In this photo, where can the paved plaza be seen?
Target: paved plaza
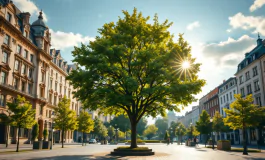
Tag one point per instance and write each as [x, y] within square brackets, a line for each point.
[162, 152]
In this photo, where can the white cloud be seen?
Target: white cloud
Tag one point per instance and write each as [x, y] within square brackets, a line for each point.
[248, 22]
[29, 6]
[229, 53]
[229, 30]
[193, 25]
[257, 4]
[62, 40]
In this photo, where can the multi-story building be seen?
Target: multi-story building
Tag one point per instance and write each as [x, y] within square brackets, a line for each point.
[202, 104]
[250, 80]
[171, 118]
[195, 113]
[30, 68]
[211, 104]
[226, 97]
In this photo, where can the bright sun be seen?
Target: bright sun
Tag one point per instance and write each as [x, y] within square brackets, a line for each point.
[185, 65]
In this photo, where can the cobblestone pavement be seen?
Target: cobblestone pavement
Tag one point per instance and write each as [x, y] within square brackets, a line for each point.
[162, 152]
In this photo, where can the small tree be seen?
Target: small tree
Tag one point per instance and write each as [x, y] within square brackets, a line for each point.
[203, 125]
[243, 114]
[150, 131]
[218, 123]
[35, 132]
[111, 132]
[180, 131]
[85, 124]
[99, 128]
[65, 119]
[45, 134]
[22, 115]
[166, 136]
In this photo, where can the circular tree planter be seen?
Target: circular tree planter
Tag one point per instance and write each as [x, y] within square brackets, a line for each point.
[127, 151]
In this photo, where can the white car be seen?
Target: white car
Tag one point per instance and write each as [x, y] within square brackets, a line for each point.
[93, 141]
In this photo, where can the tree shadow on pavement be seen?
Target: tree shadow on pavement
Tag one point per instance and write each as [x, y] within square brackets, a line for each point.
[78, 157]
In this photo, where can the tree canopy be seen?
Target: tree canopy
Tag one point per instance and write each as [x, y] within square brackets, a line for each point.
[161, 124]
[218, 123]
[150, 131]
[141, 125]
[135, 68]
[65, 119]
[21, 115]
[121, 122]
[99, 128]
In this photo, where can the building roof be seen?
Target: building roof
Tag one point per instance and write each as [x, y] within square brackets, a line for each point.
[39, 21]
[254, 54]
[226, 82]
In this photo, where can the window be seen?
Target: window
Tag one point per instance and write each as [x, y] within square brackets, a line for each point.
[55, 99]
[249, 89]
[224, 99]
[61, 79]
[242, 91]
[25, 55]
[41, 110]
[56, 75]
[241, 79]
[50, 98]
[41, 92]
[258, 101]
[227, 97]
[69, 92]
[256, 86]
[51, 84]
[23, 69]
[253, 134]
[2, 100]
[54, 60]
[16, 65]
[42, 76]
[18, 49]
[247, 75]
[15, 83]
[60, 89]
[30, 88]
[56, 86]
[5, 57]
[31, 58]
[255, 71]
[230, 95]
[8, 17]
[30, 73]
[221, 100]
[7, 39]
[47, 112]
[51, 72]
[65, 91]
[3, 77]
[23, 86]
[234, 91]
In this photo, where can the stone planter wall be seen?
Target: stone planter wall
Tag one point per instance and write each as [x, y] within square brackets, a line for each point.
[37, 145]
[224, 145]
[46, 144]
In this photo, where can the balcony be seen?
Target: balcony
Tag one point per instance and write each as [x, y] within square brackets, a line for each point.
[14, 89]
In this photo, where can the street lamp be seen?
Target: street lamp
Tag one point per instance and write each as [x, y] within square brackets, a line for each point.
[212, 135]
[116, 129]
[171, 136]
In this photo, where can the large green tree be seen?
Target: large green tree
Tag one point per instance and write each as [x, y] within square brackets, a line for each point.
[65, 119]
[162, 126]
[180, 131]
[21, 115]
[99, 128]
[135, 68]
[204, 125]
[243, 114]
[85, 124]
[121, 122]
[150, 131]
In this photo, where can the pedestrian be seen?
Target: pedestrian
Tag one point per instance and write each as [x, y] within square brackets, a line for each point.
[168, 140]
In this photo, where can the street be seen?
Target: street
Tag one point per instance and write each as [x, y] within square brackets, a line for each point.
[162, 152]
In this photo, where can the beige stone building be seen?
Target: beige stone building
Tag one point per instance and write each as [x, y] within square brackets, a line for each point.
[30, 68]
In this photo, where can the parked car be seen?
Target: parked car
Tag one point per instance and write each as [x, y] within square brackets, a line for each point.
[93, 141]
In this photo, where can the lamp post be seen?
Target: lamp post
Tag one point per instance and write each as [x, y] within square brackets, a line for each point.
[171, 136]
[52, 131]
[212, 135]
[191, 130]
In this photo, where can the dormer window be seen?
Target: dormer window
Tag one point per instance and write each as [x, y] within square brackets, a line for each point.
[246, 62]
[8, 17]
[54, 60]
[253, 57]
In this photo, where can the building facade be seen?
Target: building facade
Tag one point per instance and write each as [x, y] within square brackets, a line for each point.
[211, 104]
[195, 114]
[250, 80]
[30, 68]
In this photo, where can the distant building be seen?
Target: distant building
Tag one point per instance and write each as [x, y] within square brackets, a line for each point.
[171, 117]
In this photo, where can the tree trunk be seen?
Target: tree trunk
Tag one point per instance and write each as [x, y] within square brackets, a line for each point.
[244, 142]
[206, 139]
[18, 138]
[7, 135]
[133, 135]
[62, 137]
[83, 138]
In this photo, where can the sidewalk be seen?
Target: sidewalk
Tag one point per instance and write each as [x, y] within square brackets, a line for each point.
[28, 147]
[241, 146]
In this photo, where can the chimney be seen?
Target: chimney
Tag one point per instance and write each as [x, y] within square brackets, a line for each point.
[25, 17]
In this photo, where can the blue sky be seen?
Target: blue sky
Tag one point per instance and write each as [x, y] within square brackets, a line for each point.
[220, 32]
